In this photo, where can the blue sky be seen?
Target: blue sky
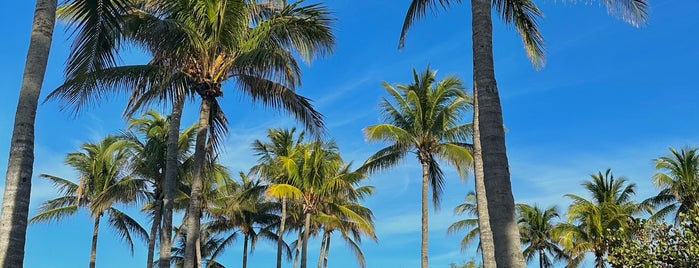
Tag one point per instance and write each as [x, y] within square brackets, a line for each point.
[609, 96]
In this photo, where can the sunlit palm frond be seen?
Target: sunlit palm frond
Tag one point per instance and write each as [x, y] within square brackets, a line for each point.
[54, 214]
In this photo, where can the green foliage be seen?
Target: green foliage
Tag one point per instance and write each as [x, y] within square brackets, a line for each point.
[469, 264]
[658, 244]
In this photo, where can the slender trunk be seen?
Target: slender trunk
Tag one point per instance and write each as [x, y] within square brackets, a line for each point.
[198, 252]
[280, 234]
[485, 233]
[496, 173]
[195, 199]
[541, 259]
[599, 259]
[304, 248]
[245, 252]
[170, 182]
[327, 252]
[425, 212]
[298, 249]
[154, 230]
[15, 204]
[93, 249]
[322, 249]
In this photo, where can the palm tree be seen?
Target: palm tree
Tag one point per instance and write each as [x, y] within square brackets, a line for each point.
[331, 218]
[425, 120]
[536, 230]
[258, 58]
[282, 149]
[468, 207]
[245, 211]
[210, 242]
[199, 45]
[315, 179]
[493, 176]
[104, 180]
[151, 163]
[18, 179]
[592, 221]
[678, 179]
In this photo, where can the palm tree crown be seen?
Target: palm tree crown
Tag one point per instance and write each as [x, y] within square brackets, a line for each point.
[591, 221]
[105, 179]
[425, 120]
[536, 230]
[678, 179]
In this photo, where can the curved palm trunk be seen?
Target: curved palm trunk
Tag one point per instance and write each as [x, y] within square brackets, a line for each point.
[153, 230]
[245, 252]
[195, 201]
[15, 204]
[425, 211]
[170, 182]
[327, 252]
[93, 249]
[485, 233]
[280, 234]
[541, 259]
[304, 249]
[599, 259]
[496, 173]
[324, 239]
[298, 249]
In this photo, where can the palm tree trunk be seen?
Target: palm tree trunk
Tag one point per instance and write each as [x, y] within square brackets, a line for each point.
[198, 252]
[195, 201]
[599, 259]
[15, 204]
[423, 249]
[298, 248]
[245, 252]
[153, 230]
[170, 182]
[496, 173]
[280, 234]
[93, 249]
[541, 259]
[304, 249]
[485, 233]
[327, 252]
[322, 249]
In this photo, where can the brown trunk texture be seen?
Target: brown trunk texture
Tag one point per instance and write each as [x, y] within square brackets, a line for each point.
[195, 199]
[18, 180]
[170, 182]
[496, 172]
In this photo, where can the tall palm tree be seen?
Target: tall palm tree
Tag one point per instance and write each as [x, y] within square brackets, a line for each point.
[196, 47]
[493, 176]
[469, 208]
[536, 229]
[425, 120]
[269, 72]
[18, 178]
[104, 180]
[151, 139]
[282, 149]
[592, 221]
[678, 180]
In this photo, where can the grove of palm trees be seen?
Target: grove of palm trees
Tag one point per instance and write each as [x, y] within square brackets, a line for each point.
[415, 133]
